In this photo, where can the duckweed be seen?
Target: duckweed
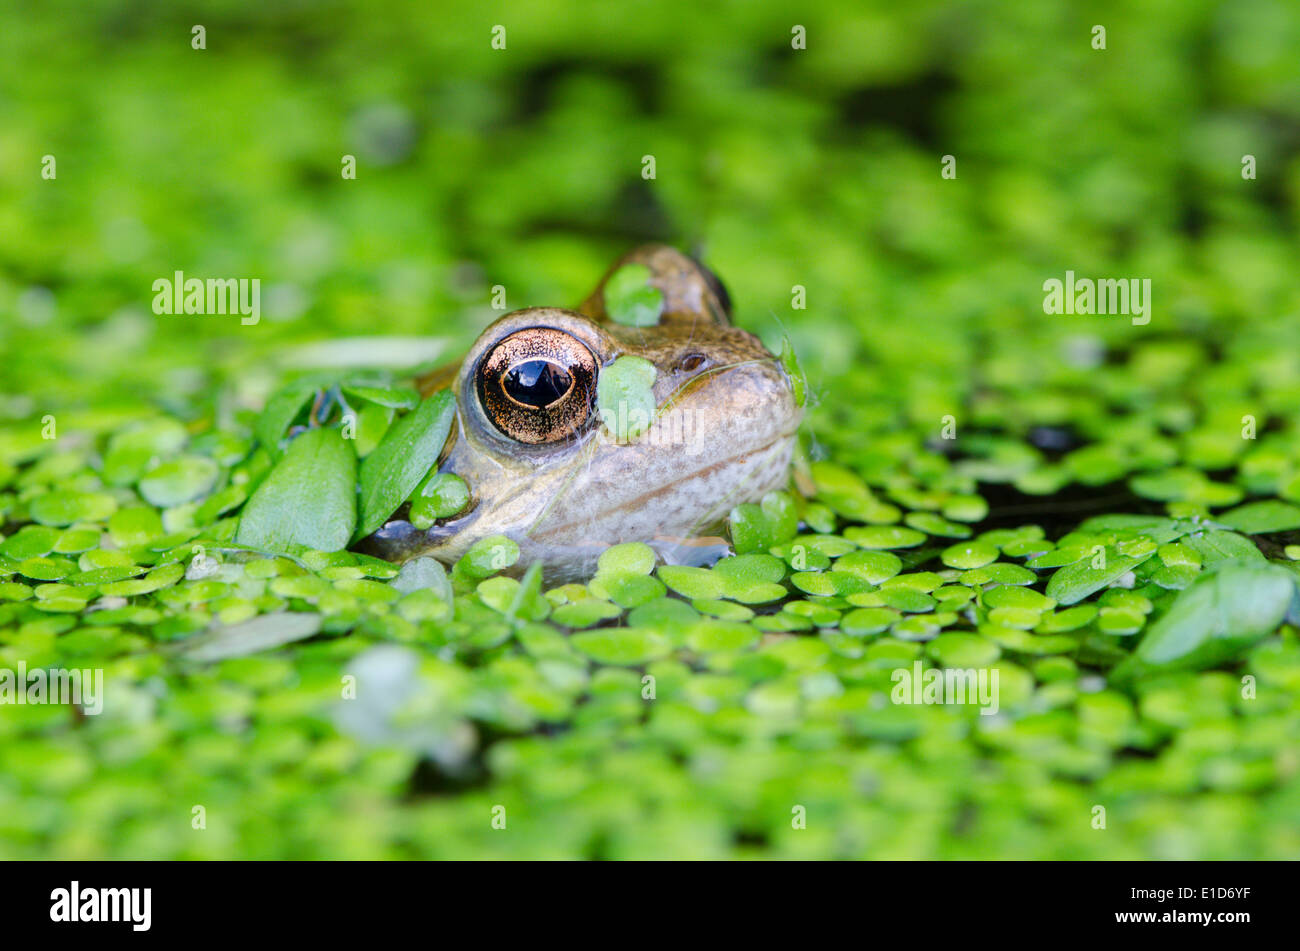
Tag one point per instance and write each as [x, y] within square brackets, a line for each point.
[1105, 513]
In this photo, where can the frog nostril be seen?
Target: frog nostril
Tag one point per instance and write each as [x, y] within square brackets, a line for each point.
[692, 363]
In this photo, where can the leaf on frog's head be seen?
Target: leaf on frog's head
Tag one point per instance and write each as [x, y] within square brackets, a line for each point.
[630, 298]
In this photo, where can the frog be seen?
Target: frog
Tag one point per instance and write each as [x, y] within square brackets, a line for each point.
[565, 478]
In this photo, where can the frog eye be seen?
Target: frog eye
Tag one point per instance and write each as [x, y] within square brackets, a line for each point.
[538, 385]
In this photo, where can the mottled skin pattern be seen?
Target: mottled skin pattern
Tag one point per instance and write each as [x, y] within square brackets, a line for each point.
[723, 435]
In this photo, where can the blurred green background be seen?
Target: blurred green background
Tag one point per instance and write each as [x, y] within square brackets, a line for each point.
[781, 167]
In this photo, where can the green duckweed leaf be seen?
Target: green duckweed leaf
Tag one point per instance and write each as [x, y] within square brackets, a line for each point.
[757, 528]
[1221, 613]
[625, 397]
[874, 566]
[1216, 546]
[585, 613]
[884, 536]
[694, 583]
[967, 555]
[868, 620]
[67, 507]
[626, 646]
[420, 574]
[712, 636]
[633, 558]
[1075, 582]
[486, 557]
[631, 299]
[179, 480]
[30, 541]
[392, 398]
[441, 495]
[957, 649]
[1258, 518]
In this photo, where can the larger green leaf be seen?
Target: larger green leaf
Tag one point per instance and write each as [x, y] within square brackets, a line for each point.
[392, 397]
[409, 450]
[1156, 527]
[261, 633]
[1218, 616]
[622, 646]
[309, 498]
[1218, 546]
[280, 410]
[1075, 582]
[1256, 518]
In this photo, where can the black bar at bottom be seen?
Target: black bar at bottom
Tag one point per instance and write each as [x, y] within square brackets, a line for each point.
[333, 900]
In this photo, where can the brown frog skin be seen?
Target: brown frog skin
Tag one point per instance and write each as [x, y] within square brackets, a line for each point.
[548, 474]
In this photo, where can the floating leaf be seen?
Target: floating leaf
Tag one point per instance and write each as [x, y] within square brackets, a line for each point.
[309, 498]
[441, 495]
[421, 574]
[1216, 546]
[179, 480]
[1223, 612]
[250, 637]
[280, 411]
[624, 646]
[486, 557]
[1075, 582]
[393, 398]
[1258, 518]
[401, 461]
[757, 528]
[66, 508]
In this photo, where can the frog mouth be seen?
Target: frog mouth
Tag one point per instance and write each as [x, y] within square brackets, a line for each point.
[398, 540]
[645, 498]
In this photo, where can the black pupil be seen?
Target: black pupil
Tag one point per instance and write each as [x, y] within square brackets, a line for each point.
[537, 383]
